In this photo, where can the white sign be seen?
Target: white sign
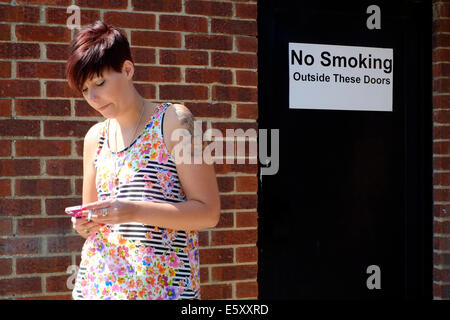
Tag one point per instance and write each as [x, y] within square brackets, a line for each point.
[340, 77]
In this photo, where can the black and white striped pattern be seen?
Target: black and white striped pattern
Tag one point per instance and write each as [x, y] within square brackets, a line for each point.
[136, 190]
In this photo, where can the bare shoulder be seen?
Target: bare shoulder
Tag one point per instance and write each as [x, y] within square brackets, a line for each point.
[179, 115]
[92, 136]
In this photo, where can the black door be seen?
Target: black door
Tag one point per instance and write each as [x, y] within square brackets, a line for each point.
[354, 188]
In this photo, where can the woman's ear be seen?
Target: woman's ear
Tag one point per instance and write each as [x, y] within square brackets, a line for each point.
[128, 68]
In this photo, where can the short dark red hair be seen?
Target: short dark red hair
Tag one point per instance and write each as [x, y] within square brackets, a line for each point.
[95, 48]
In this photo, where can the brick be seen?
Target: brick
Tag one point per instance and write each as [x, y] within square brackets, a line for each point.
[55, 89]
[157, 74]
[441, 85]
[441, 102]
[234, 60]
[226, 220]
[20, 88]
[441, 210]
[42, 107]
[5, 108]
[56, 206]
[57, 283]
[64, 3]
[66, 128]
[247, 184]
[240, 94]
[182, 92]
[249, 11]
[157, 5]
[441, 179]
[156, 39]
[440, 40]
[42, 33]
[42, 265]
[441, 163]
[209, 76]
[216, 256]
[245, 290]
[5, 69]
[42, 148]
[130, 20]
[5, 32]
[83, 109]
[204, 275]
[35, 226]
[5, 148]
[66, 244]
[78, 187]
[5, 187]
[441, 116]
[441, 54]
[247, 78]
[247, 44]
[247, 111]
[441, 243]
[246, 254]
[239, 27]
[181, 57]
[116, 4]
[5, 267]
[19, 51]
[19, 167]
[23, 128]
[233, 237]
[208, 42]
[203, 238]
[238, 201]
[19, 14]
[143, 55]
[57, 51]
[79, 146]
[235, 168]
[54, 297]
[64, 167]
[209, 8]
[5, 226]
[52, 70]
[60, 16]
[183, 23]
[210, 110]
[42, 187]
[246, 219]
[16, 246]
[441, 194]
[441, 25]
[148, 91]
[20, 207]
[216, 291]
[20, 286]
[235, 272]
[226, 184]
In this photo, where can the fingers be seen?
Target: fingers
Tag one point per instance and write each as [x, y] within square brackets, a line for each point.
[85, 227]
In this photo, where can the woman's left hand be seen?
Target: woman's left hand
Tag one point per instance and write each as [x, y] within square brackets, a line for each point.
[112, 211]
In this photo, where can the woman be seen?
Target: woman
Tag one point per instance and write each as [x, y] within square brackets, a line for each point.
[144, 207]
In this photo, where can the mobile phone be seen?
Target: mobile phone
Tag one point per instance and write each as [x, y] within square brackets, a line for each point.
[75, 211]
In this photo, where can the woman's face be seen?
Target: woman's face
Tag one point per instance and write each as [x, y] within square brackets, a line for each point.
[107, 93]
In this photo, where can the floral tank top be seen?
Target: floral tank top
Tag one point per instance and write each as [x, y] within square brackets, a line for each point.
[133, 260]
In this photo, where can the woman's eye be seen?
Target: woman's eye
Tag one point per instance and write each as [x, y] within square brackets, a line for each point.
[100, 84]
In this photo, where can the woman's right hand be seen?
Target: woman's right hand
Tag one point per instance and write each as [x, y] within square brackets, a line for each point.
[85, 227]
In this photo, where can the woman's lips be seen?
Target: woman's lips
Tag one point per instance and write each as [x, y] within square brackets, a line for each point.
[104, 107]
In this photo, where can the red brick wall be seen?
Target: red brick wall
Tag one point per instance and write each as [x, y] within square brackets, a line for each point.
[441, 148]
[199, 53]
